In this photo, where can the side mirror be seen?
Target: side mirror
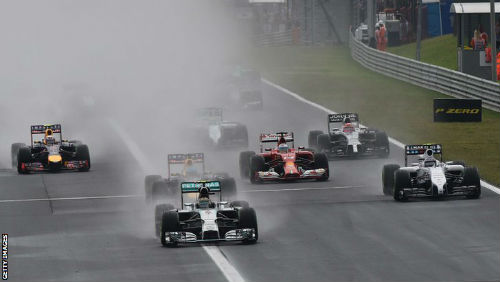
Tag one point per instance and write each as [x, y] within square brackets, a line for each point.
[267, 149]
[301, 147]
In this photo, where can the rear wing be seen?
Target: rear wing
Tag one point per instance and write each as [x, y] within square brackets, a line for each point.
[276, 138]
[211, 115]
[196, 158]
[341, 117]
[42, 128]
[194, 187]
[414, 150]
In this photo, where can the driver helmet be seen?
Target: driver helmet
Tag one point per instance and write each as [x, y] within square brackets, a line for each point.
[283, 148]
[49, 140]
[430, 162]
[204, 199]
[347, 120]
[348, 128]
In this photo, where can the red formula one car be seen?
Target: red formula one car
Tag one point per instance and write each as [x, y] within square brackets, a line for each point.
[282, 162]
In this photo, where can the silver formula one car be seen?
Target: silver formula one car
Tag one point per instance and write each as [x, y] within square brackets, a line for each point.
[429, 176]
[346, 138]
[205, 220]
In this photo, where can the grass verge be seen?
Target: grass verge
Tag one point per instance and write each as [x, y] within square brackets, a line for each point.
[328, 76]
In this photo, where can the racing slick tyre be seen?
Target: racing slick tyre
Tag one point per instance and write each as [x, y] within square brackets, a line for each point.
[82, 154]
[228, 187]
[401, 181]
[324, 142]
[23, 156]
[312, 139]
[471, 178]
[245, 163]
[321, 161]
[257, 163]
[169, 223]
[159, 211]
[248, 219]
[388, 178]
[239, 204]
[14, 149]
[382, 140]
[148, 186]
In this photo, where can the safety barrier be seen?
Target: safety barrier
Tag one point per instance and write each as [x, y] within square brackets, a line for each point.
[274, 38]
[433, 77]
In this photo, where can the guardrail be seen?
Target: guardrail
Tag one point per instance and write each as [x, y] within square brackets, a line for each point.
[274, 39]
[432, 77]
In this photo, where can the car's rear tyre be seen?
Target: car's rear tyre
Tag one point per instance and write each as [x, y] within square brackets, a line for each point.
[382, 140]
[240, 204]
[14, 149]
[159, 211]
[169, 223]
[312, 138]
[324, 142]
[248, 219]
[23, 156]
[159, 190]
[82, 154]
[321, 161]
[388, 178]
[148, 186]
[228, 187]
[245, 163]
[471, 178]
[257, 163]
[401, 181]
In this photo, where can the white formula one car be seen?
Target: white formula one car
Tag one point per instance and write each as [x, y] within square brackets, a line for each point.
[346, 138]
[218, 133]
[429, 176]
[205, 220]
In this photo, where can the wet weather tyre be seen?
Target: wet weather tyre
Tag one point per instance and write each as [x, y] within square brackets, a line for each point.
[14, 149]
[248, 219]
[401, 181]
[228, 187]
[169, 223]
[388, 178]
[324, 142]
[257, 163]
[245, 163]
[471, 178]
[240, 204]
[159, 190]
[321, 161]
[382, 140]
[159, 211]
[82, 154]
[148, 186]
[23, 156]
[312, 139]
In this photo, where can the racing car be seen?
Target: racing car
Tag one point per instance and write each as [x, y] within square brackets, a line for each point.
[205, 220]
[430, 177]
[282, 163]
[244, 86]
[219, 133]
[181, 168]
[346, 138]
[51, 153]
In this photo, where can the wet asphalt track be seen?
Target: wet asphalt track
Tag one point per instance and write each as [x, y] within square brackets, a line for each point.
[345, 230]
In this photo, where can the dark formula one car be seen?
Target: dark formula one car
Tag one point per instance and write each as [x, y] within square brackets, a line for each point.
[345, 137]
[51, 153]
[181, 168]
[207, 219]
[219, 133]
[430, 177]
[282, 163]
[246, 88]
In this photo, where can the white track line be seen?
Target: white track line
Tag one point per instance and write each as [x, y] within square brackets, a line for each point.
[392, 140]
[300, 189]
[70, 198]
[229, 271]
